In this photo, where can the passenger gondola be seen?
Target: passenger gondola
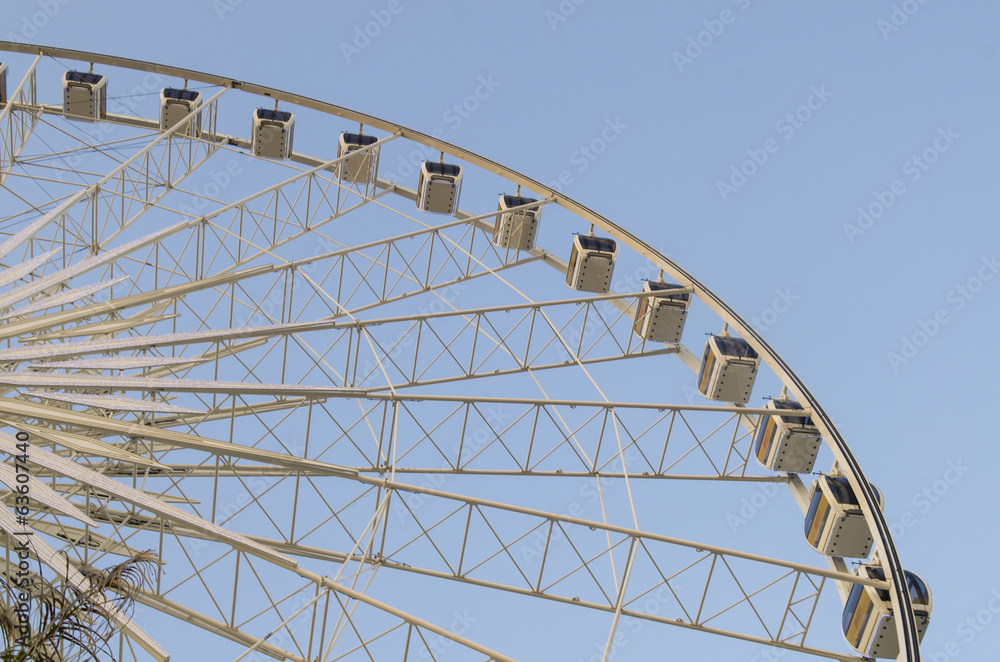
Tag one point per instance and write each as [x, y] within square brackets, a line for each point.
[359, 168]
[868, 621]
[3, 83]
[660, 317]
[728, 369]
[85, 95]
[439, 187]
[516, 229]
[175, 105]
[591, 263]
[835, 524]
[272, 133]
[787, 441]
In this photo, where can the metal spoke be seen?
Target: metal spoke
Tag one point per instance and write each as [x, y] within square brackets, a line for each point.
[306, 396]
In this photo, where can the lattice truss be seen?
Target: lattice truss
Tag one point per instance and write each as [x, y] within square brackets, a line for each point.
[292, 407]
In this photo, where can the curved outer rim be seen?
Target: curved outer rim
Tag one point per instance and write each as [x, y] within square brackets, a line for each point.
[908, 640]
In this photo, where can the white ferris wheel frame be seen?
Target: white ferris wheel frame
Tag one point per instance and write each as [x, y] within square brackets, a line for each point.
[23, 98]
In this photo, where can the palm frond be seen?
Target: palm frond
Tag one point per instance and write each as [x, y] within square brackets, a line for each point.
[70, 623]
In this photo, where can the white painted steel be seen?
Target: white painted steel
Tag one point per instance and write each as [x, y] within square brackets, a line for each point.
[149, 433]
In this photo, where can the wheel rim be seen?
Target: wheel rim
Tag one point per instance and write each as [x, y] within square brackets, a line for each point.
[229, 250]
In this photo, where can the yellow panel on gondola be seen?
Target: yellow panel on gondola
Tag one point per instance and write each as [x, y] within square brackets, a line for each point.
[835, 524]
[787, 441]
[728, 369]
[516, 229]
[591, 263]
[661, 317]
[85, 96]
[439, 187]
[868, 622]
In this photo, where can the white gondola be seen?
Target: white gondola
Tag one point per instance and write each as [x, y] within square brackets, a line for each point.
[175, 105]
[438, 187]
[85, 95]
[728, 369]
[516, 229]
[787, 441]
[591, 263]
[661, 317]
[272, 133]
[834, 523]
[362, 167]
[868, 622]
[3, 83]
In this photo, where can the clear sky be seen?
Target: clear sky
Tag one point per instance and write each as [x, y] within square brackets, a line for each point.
[827, 168]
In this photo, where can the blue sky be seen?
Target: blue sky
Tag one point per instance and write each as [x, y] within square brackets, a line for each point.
[827, 168]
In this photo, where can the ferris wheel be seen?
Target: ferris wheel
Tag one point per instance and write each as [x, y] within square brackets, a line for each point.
[368, 395]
